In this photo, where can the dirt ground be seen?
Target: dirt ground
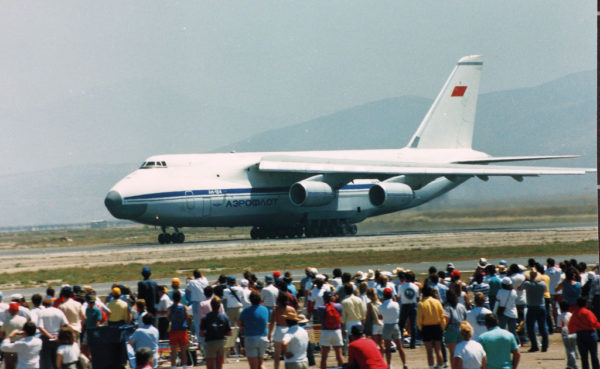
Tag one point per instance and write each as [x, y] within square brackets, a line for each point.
[41, 258]
[554, 358]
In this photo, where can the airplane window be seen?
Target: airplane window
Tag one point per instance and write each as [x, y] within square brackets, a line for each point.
[158, 164]
[143, 164]
[164, 164]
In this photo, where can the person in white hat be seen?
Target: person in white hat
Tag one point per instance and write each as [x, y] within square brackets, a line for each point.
[506, 308]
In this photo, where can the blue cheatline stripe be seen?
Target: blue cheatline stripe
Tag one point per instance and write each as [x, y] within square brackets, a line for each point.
[224, 191]
[471, 63]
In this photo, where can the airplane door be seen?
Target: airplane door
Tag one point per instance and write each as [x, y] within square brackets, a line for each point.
[190, 202]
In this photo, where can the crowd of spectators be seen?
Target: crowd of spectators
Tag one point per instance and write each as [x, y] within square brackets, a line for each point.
[362, 319]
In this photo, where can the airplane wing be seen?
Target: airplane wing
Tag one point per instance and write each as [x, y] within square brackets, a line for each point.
[313, 165]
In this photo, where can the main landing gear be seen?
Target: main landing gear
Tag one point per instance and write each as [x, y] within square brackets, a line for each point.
[175, 237]
[314, 228]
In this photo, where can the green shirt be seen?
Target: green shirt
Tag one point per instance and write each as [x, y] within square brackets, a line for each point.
[498, 345]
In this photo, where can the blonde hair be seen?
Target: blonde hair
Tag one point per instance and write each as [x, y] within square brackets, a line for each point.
[466, 330]
[372, 295]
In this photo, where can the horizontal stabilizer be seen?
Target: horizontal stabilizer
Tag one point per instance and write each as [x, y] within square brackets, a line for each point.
[312, 165]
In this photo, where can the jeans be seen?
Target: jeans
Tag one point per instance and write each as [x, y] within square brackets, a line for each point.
[587, 343]
[409, 311]
[196, 314]
[536, 314]
[510, 324]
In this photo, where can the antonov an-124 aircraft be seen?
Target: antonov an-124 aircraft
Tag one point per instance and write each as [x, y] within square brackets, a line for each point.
[319, 193]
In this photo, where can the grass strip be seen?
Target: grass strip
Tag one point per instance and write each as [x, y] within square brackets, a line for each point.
[285, 261]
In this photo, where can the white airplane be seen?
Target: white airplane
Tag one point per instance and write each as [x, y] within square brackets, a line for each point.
[319, 193]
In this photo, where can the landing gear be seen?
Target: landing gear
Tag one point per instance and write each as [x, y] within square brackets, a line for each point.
[314, 228]
[175, 237]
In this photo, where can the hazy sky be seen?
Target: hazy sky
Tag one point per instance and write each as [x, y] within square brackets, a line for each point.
[281, 59]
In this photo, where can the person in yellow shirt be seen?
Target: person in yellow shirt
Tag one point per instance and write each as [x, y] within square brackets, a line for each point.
[119, 310]
[431, 322]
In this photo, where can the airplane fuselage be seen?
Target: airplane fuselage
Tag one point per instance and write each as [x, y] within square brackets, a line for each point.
[213, 190]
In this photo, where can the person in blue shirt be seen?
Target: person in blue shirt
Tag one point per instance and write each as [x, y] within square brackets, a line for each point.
[290, 286]
[146, 336]
[499, 345]
[253, 321]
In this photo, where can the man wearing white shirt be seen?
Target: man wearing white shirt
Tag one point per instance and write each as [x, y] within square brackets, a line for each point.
[27, 349]
[476, 316]
[164, 302]
[233, 299]
[390, 312]
[245, 293]
[269, 294]
[295, 343]
[195, 295]
[51, 321]
[408, 293]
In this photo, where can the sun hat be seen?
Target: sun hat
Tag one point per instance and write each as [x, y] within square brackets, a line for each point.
[303, 319]
[244, 282]
[370, 274]
[506, 281]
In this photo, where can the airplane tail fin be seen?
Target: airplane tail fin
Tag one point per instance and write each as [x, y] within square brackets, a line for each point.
[450, 120]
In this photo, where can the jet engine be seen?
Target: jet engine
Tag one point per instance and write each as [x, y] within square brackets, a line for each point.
[311, 193]
[390, 194]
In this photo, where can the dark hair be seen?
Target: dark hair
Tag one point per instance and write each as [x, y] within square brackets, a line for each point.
[441, 274]
[514, 269]
[434, 279]
[282, 299]
[348, 289]
[581, 302]
[148, 318]
[208, 291]
[410, 276]
[427, 291]
[581, 267]
[531, 262]
[255, 298]
[197, 273]
[540, 268]
[65, 336]
[337, 272]
[222, 279]
[491, 321]
[36, 299]
[50, 291]
[346, 277]
[550, 262]
[490, 269]
[176, 296]
[327, 297]
[432, 269]
[143, 355]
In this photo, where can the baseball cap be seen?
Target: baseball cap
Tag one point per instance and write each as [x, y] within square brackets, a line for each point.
[176, 281]
[268, 278]
[506, 281]
[231, 279]
[503, 262]
[327, 294]
[116, 291]
[244, 282]
[387, 291]
[277, 274]
[146, 270]
[13, 307]
[90, 298]
[455, 274]
[450, 265]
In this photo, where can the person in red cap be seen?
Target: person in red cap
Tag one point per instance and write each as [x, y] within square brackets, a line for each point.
[12, 322]
[276, 274]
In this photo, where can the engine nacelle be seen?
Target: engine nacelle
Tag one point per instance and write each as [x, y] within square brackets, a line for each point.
[311, 193]
[390, 194]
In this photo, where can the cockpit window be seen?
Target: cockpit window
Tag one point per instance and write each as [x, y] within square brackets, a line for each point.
[153, 164]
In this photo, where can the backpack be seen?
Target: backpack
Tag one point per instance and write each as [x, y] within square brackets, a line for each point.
[332, 317]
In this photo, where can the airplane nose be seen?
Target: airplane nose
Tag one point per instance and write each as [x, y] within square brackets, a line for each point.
[114, 204]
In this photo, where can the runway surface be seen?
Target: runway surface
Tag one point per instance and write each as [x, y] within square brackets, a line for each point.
[148, 253]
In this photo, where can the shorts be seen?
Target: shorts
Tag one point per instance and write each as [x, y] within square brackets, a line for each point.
[331, 337]
[377, 329]
[298, 365]
[432, 333]
[255, 346]
[279, 333]
[215, 349]
[351, 324]
[391, 332]
[178, 338]
[452, 336]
